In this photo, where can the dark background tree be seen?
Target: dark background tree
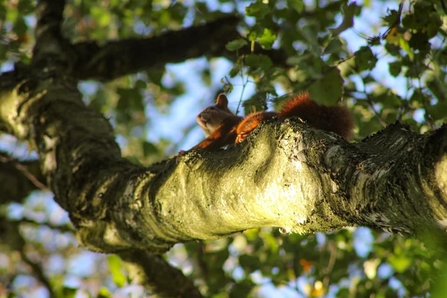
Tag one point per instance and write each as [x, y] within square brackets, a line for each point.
[396, 71]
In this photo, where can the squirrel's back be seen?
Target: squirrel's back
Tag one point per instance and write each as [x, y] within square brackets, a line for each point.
[224, 128]
[337, 119]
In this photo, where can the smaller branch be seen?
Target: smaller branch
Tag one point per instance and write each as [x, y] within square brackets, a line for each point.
[51, 47]
[127, 56]
[53, 54]
[373, 109]
[426, 104]
[332, 248]
[37, 272]
[18, 179]
[49, 13]
[10, 235]
[25, 171]
[156, 274]
[62, 229]
[296, 270]
[396, 23]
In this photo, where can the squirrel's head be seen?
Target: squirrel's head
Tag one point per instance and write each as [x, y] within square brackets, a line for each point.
[211, 117]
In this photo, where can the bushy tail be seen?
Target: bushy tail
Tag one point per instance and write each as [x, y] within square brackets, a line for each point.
[337, 118]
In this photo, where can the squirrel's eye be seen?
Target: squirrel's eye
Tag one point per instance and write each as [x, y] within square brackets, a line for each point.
[212, 108]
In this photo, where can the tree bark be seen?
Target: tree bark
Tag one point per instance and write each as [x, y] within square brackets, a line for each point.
[118, 58]
[286, 175]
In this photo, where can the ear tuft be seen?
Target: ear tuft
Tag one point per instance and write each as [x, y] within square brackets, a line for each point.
[222, 101]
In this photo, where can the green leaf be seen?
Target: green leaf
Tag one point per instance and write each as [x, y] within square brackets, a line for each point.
[328, 90]
[343, 293]
[436, 87]
[267, 39]
[101, 16]
[334, 46]
[140, 84]
[257, 10]
[387, 98]
[296, 60]
[365, 59]
[236, 44]
[255, 61]
[249, 263]
[438, 111]
[2, 10]
[374, 41]
[241, 289]
[149, 149]
[155, 76]
[392, 18]
[310, 32]
[115, 265]
[424, 18]
[104, 293]
[415, 69]
[20, 26]
[130, 98]
[297, 5]
[400, 263]
[100, 100]
[418, 41]
[235, 70]
[418, 99]
[393, 49]
[69, 292]
[252, 35]
[395, 68]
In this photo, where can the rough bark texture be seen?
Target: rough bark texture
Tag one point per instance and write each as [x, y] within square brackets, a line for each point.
[288, 175]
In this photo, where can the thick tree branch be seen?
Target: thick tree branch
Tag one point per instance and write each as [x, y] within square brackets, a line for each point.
[127, 56]
[288, 175]
[50, 44]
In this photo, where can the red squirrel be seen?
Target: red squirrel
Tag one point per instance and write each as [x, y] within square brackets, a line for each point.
[225, 128]
[219, 123]
[336, 118]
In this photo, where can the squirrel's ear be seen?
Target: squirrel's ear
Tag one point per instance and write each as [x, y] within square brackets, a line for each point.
[222, 101]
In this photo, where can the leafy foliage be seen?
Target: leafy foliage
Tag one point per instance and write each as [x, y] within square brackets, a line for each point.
[387, 69]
